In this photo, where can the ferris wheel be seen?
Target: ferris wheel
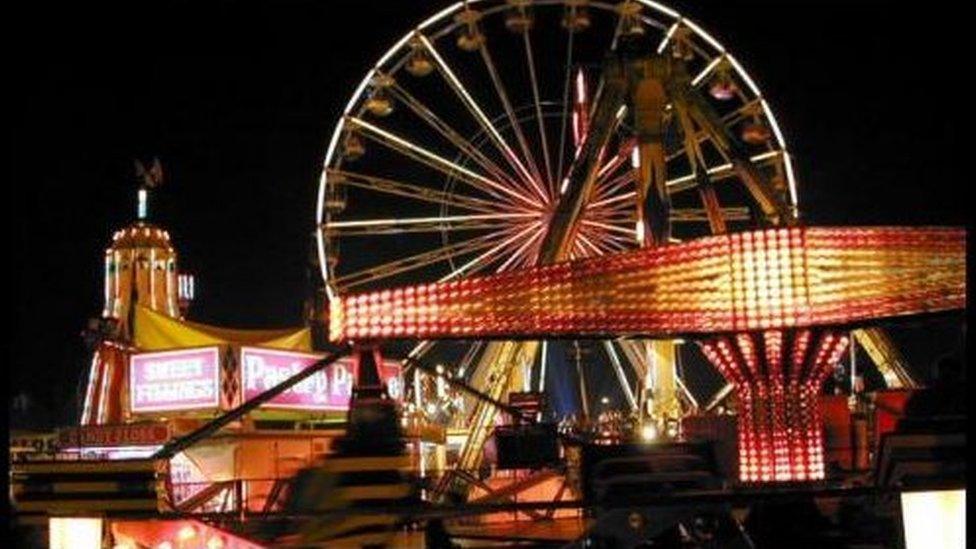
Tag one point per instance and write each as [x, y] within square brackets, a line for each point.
[455, 151]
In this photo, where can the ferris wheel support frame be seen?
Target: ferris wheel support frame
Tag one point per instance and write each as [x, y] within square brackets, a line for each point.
[500, 373]
[691, 109]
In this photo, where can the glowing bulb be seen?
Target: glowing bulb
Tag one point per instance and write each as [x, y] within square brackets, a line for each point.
[186, 533]
[143, 197]
[648, 432]
[580, 88]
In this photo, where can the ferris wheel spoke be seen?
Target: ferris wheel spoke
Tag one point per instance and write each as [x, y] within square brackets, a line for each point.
[441, 164]
[668, 35]
[476, 112]
[586, 243]
[409, 190]
[540, 122]
[464, 365]
[444, 129]
[700, 77]
[529, 258]
[611, 186]
[417, 261]
[619, 230]
[521, 252]
[486, 258]
[615, 206]
[624, 152]
[567, 82]
[621, 376]
[612, 242]
[614, 191]
[535, 177]
[373, 227]
[616, 34]
[622, 218]
[619, 244]
[613, 200]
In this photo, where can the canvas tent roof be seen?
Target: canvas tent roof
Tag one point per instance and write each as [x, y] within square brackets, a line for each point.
[157, 332]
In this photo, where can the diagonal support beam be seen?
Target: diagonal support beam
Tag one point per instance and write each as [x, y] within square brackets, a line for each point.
[621, 376]
[886, 357]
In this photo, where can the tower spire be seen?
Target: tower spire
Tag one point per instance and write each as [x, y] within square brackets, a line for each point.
[148, 179]
[140, 262]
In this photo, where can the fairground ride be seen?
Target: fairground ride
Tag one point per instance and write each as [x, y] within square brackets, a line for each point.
[500, 135]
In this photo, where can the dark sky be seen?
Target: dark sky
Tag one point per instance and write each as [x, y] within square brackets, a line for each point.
[239, 98]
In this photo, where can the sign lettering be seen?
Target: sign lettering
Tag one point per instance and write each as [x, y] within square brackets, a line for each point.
[175, 380]
[327, 390]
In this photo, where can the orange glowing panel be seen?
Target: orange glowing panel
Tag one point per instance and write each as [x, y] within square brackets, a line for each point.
[754, 281]
[779, 421]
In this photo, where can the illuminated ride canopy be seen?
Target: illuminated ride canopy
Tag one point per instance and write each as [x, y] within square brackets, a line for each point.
[758, 280]
[764, 305]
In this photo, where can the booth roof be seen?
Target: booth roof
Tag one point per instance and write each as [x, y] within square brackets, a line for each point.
[157, 332]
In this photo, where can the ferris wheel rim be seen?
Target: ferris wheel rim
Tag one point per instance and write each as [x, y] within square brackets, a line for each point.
[677, 19]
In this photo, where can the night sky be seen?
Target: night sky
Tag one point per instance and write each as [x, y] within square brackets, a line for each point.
[238, 100]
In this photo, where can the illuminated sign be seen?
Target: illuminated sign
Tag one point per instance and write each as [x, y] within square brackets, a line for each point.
[175, 380]
[327, 390]
[135, 434]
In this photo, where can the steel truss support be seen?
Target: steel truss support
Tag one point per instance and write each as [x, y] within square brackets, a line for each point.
[886, 357]
[665, 405]
[499, 369]
[501, 365]
[693, 109]
[621, 376]
[647, 80]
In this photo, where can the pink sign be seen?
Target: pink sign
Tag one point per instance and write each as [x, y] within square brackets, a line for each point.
[175, 380]
[392, 375]
[328, 390]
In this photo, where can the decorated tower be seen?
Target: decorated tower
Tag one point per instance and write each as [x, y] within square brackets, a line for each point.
[141, 263]
[140, 268]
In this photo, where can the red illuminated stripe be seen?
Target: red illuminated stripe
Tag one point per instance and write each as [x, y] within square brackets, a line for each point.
[761, 280]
